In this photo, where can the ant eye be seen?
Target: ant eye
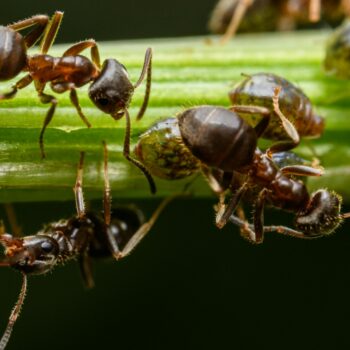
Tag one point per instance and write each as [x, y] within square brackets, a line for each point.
[103, 101]
[46, 247]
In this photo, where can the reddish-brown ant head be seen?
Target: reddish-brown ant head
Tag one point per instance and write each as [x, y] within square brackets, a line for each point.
[322, 214]
[32, 254]
[112, 90]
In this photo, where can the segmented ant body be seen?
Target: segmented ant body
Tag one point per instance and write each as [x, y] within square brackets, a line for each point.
[267, 15]
[226, 147]
[83, 237]
[252, 97]
[110, 88]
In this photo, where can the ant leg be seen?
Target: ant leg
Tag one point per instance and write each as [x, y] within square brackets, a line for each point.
[40, 21]
[126, 152]
[63, 87]
[22, 83]
[86, 270]
[51, 32]
[11, 216]
[146, 69]
[46, 99]
[259, 216]
[264, 112]
[14, 314]
[81, 46]
[287, 126]
[301, 170]
[223, 215]
[314, 10]
[107, 204]
[144, 229]
[75, 101]
[236, 19]
[278, 229]
[78, 189]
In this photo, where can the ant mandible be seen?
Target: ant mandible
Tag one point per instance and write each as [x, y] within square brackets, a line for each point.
[83, 237]
[110, 90]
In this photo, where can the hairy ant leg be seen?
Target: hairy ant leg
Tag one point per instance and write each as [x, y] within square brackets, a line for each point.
[144, 229]
[39, 21]
[14, 313]
[51, 32]
[224, 214]
[287, 126]
[146, 70]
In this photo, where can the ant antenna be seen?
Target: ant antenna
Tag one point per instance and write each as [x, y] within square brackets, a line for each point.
[14, 314]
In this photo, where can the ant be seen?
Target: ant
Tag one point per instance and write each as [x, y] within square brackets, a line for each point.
[86, 236]
[266, 14]
[110, 89]
[252, 98]
[225, 148]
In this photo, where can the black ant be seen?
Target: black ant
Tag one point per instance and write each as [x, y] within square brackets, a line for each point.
[110, 90]
[83, 237]
[271, 14]
[224, 146]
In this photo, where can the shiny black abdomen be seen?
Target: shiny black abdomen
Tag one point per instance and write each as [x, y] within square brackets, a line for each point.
[13, 55]
[218, 137]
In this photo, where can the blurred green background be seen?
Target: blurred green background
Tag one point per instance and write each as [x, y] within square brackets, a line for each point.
[188, 285]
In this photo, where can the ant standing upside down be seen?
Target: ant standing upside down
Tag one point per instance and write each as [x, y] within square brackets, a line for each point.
[224, 147]
[110, 90]
[83, 237]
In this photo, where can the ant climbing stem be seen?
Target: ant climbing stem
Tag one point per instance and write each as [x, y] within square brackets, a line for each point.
[110, 87]
[83, 237]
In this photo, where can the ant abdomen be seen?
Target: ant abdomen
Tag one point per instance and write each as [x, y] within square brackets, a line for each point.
[322, 215]
[13, 55]
[218, 137]
[163, 152]
[125, 221]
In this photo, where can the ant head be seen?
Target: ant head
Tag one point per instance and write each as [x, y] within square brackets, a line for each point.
[112, 90]
[322, 214]
[32, 254]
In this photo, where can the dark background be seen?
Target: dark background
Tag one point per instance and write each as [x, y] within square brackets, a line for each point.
[188, 285]
[117, 19]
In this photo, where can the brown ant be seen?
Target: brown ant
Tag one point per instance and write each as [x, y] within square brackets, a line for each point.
[83, 237]
[110, 90]
[267, 14]
[228, 144]
[224, 147]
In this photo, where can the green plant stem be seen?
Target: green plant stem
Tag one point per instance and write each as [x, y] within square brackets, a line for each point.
[186, 72]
